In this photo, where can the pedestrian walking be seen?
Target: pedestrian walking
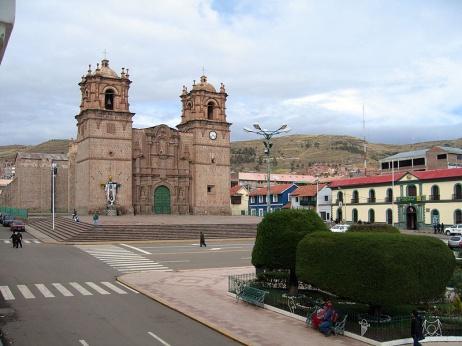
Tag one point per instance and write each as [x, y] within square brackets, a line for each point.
[438, 228]
[442, 227]
[95, 218]
[18, 240]
[202, 239]
[434, 228]
[416, 328]
[14, 238]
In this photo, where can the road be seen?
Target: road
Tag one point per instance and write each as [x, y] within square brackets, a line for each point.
[68, 295]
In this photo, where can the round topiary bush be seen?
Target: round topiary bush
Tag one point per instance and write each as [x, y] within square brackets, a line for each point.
[379, 269]
[278, 235]
[375, 227]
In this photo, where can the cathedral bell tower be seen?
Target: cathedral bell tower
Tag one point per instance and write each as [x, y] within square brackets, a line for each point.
[104, 140]
[203, 115]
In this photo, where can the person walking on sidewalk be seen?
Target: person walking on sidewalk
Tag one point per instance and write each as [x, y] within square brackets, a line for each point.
[95, 218]
[18, 240]
[416, 328]
[442, 227]
[14, 239]
[202, 239]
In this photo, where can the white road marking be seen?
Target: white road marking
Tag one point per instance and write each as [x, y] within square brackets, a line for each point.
[97, 288]
[81, 289]
[7, 242]
[215, 248]
[158, 339]
[163, 269]
[45, 291]
[128, 288]
[137, 249]
[36, 241]
[113, 287]
[246, 258]
[26, 241]
[63, 290]
[123, 260]
[174, 261]
[134, 265]
[6, 292]
[83, 343]
[25, 292]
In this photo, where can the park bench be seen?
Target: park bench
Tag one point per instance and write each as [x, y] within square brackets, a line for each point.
[252, 295]
[338, 327]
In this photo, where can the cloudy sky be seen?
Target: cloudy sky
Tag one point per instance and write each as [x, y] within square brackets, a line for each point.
[310, 64]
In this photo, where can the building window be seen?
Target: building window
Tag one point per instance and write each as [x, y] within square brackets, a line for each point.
[442, 156]
[296, 199]
[109, 99]
[354, 215]
[457, 192]
[236, 199]
[210, 188]
[260, 199]
[323, 215]
[340, 196]
[253, 212]
[371, 198]
[110, 128]
[210, 111]
[355, 198]
[435, 196]
[260, 212]
[275, 198]
[411, 191]
[389, 216]
[252, 199]
[435, 217]
[371, 216]
[326, 198]
[457, 216]
[389, 197]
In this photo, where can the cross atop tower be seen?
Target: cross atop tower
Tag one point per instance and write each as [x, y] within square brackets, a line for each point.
[104, 53]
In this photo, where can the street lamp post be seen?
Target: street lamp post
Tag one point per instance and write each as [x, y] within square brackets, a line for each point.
[317, 197]
[267, 135]
[54, 171]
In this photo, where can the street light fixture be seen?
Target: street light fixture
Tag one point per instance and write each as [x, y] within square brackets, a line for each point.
[267, 135]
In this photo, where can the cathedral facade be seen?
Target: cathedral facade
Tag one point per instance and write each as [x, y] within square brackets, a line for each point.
[155, 170]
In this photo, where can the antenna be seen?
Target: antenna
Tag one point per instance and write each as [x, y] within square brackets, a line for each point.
[365, 144]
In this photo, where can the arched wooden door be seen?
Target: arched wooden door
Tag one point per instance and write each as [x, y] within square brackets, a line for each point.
[162, 200]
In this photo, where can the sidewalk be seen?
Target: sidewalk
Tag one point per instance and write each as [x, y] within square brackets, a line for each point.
[202, 295]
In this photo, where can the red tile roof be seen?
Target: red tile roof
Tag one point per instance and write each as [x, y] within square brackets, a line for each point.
[307, 190]
[274, 190]
[438, 174]
[233, 190]
[376, 179]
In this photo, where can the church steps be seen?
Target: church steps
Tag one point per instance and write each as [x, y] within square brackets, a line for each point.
[70, 231]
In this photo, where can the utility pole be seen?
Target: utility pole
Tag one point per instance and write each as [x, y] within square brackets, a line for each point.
[54, 171]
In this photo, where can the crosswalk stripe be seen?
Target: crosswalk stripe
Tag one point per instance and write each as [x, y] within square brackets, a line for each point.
[45, 291]
[25, 292]
[128, 288]
[36, 241]
[97, 288]
[145, 269]
[7, 242]
[6, 293]
[26, 241]
[150, 265]
[113, 287]
[63, 290]
[82, 290]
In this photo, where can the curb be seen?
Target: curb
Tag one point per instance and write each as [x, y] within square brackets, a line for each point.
[189, 315]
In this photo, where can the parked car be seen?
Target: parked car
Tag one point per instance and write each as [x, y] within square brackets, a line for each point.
[7, 220]
[455, 242]
[453, 230]
[17, 225]
[340, 228]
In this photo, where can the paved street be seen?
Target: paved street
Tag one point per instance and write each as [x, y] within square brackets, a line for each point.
[68, 295]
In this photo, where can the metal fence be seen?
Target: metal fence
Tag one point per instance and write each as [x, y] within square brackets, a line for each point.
[16, 212]
[380, 328]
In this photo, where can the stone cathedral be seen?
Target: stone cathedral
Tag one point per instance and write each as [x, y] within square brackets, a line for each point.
[155, 170]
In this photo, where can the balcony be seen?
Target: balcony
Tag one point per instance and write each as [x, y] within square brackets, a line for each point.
[388, 199]
[354, 200]
[457, 197]
[338, 200]
[434, 197]
[411, 199]
[307, 202]
[371, 200]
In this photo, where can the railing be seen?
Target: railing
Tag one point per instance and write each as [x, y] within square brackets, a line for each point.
[457, 197]
[411, 199]
[16, 212]
[388, 199]
[338, 200]
[354, 200]
[307, 202]
[434, 197]
[371, 200]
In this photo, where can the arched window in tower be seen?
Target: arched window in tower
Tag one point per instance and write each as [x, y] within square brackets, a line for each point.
[210, 110]
[109, 99]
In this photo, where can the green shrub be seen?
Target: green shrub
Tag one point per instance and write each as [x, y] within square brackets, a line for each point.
[278, 235]
[375, 227]
[376, 268]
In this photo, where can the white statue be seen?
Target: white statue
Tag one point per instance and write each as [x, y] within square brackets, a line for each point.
[111, 191]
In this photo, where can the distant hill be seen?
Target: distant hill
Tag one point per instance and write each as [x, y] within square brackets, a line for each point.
[295, 153]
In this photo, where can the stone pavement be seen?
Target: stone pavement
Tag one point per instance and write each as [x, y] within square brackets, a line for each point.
[202, 295]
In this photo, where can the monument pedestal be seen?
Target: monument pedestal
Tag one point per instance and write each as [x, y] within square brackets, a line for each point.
[111, 210]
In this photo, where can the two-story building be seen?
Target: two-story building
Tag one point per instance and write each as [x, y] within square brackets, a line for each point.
[317, 197]
[279, 197]
[410, 200]
[239, 200]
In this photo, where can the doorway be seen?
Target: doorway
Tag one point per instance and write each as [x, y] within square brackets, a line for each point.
[162, 200]
[411, 218]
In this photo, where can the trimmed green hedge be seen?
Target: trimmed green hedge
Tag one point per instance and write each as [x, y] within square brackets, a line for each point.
[376, 268]
[278, 235]
[375, 227]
